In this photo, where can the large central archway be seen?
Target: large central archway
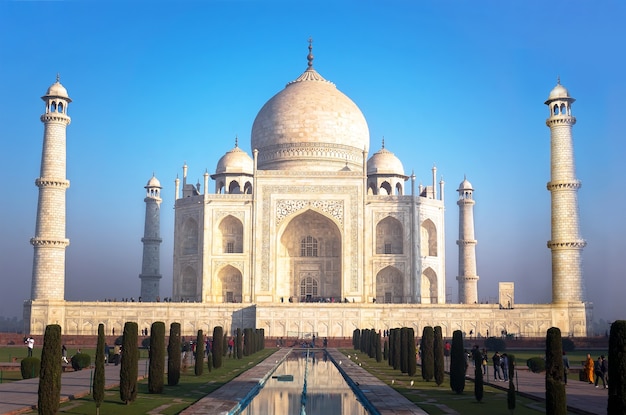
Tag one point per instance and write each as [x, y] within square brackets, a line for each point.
[310, 258]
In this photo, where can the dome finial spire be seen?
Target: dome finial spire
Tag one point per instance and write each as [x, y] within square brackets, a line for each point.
[58, 77]
[310, 56]
[558, 79]
[383, 141]
[236, 141]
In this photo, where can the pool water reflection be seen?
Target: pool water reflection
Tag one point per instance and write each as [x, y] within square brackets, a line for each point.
[327, 393]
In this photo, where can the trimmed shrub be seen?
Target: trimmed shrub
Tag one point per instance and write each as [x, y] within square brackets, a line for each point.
[495, 343]
[412, 355]
[30, 367]
[510, 394]
[199, 354]
[438, 358]
[356, 339]
[238, 344]
[379, 351]
[386, 350]
[49, 392]
[224, 345]
[174, 355]
[156, 371]
[98, 374]
[397, 352]
[427, 353]
[555, 388]
[218, 333]
[457, 363]
[130, 359]
[80, 361]
[477, 357]
[536, 364]
[617, 368]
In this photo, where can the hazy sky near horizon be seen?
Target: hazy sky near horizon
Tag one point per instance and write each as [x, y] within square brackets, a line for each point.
[456, 84]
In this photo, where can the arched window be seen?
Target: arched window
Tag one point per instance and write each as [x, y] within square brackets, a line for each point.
[308, 288]
[60, 107]
[308, 246]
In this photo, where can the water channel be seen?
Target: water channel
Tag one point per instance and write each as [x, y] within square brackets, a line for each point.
[306, 383]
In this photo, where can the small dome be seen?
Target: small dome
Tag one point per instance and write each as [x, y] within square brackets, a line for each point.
[465, 185]
[384, 162]
[235, 161]
[559, 92]
[57, 90]
[153, 182]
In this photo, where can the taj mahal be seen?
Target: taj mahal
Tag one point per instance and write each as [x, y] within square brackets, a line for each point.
[312, 233]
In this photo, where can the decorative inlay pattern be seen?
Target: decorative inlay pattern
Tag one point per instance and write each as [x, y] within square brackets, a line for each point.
[573, 185]
[285, 208]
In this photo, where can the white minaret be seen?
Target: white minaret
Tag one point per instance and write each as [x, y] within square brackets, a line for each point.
[151, 263]
[468, 280]
[49, 240]
[566, 244]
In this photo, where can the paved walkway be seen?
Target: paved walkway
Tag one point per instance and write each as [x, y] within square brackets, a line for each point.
[582, 398]
[21, 396]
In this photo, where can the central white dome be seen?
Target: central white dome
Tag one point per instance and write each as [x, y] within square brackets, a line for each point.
[310, 125]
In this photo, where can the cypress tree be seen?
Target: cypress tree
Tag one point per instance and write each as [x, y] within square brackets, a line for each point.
[477, 357]
[224, 345]
[49, 392]
[412, 363]
[238, 345]
[218, 332]
[438, 358]
[510, 395]
[173, 355]
[356, 341]
[427, 352]
[404, 350]
[397, 352]
[617, 368]
[555, 387]
[130, 360]
[199, 354]
[386, 349]
[457, 363]
[379, 352]
[156, 371]
[98, 374]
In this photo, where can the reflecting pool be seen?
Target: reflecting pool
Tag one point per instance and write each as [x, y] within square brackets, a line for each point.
[305, 385]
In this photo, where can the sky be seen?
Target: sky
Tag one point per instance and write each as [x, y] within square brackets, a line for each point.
[458, 85]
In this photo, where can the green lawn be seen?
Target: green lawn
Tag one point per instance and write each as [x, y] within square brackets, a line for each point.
[437, 399]
[174, 398]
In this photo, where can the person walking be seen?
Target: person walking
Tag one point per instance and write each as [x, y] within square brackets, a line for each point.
[601, 369]
[64, 354]
[497, 375]
[504, 362]
[30, 344]
[589, 368]
[565, 367]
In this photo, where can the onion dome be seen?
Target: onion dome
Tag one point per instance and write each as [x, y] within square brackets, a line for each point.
[465, 185]
[235, 161]
[153, 182]
[559, 92]
[310, 125]
[57, 90]
[384, 162]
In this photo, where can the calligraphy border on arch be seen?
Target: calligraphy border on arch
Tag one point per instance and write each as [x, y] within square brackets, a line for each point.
[268, 191]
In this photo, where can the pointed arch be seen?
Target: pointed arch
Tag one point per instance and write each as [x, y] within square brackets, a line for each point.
[309, 257]
[247, 188]
[385, 188]
[428, 238]
[189, 284]
[234, 188]
[389, 237]
[399, 190]
[230, 284]
[190, 237]
[389, 285]
[429, 288]
[231, 232]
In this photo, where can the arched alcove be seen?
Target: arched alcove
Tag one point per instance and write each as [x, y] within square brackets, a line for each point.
[190, 237]
[230, 283]
[428, 238]
[231, 232]
[429, 287]
[389, 286]
[389, 237]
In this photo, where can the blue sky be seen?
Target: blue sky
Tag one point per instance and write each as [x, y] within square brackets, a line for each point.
[457, 84]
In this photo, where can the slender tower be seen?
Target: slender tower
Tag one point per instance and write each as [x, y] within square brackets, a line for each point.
[151, 263]
[50, 241]
[468, 280]
[566, 244]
